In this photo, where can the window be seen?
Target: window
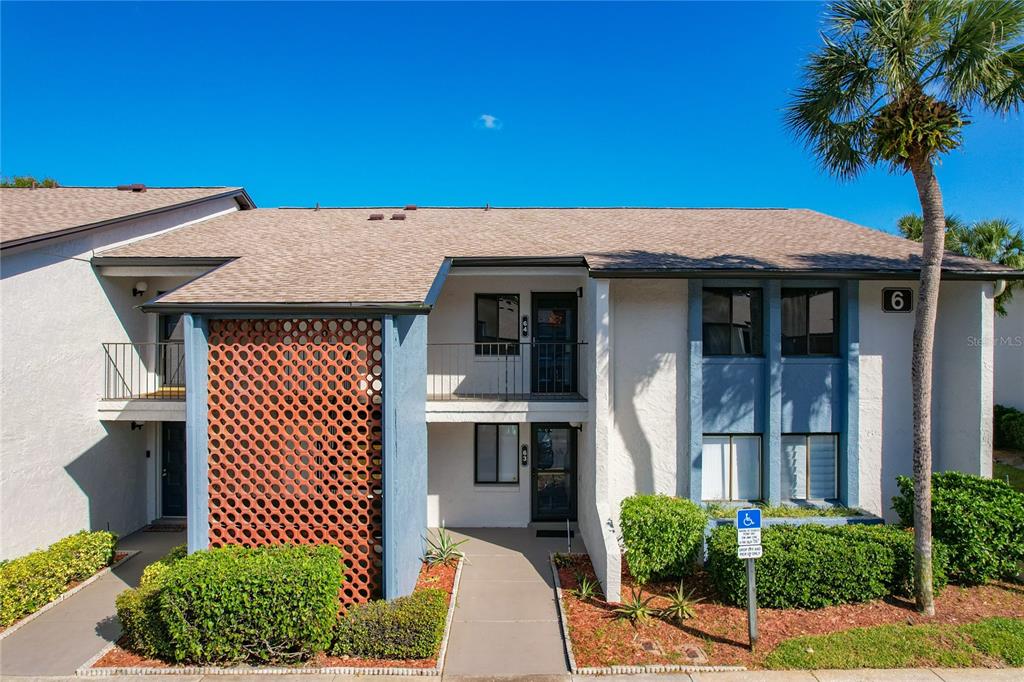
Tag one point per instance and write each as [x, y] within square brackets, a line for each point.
[809, 321]
[731, 467]
[809, 465]
[732, 321]
[497, 453]
[497, 320]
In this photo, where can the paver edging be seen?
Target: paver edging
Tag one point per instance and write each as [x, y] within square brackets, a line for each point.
[86, 670]
[620, 669]
[129, 553]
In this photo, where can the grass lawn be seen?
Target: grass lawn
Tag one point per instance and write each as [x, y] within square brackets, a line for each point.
[987, 642]
[1004, 471]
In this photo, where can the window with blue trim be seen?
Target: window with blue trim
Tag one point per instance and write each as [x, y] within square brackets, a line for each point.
[732, 320]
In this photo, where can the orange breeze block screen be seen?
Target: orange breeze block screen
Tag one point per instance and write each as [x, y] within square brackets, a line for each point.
[295, 439]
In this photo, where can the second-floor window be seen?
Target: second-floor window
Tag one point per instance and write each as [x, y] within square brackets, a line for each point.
[732, 321]
[497, 324]
[810, 321]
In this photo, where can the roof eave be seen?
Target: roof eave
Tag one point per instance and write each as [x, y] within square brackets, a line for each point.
[239, 193]
[305, 308]
[720, 273]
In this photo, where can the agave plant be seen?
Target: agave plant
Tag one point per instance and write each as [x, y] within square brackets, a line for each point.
[680, 605]
[636, 609]
[586, 588]
[443, 550]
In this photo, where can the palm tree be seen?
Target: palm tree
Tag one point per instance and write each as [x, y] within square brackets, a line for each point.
[894, 83]
[998, 241]
[911, 226]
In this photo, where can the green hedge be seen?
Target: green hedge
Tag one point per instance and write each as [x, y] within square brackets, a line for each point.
[1008, 427]
[139, 609]
[30, 582]
[267, 604]
[406, 628]
[662, 535]
[981, 521]
[812, 566]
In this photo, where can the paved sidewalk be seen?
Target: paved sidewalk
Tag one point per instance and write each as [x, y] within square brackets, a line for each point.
[75, 630]
[506, 621]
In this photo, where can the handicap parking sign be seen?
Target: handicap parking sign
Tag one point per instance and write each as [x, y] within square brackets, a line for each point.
[748, 519]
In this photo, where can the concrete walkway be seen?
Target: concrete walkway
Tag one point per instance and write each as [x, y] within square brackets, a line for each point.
[68, 635]
[506, 620]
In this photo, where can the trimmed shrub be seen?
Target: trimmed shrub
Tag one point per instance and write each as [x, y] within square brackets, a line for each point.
[999, 439]
[981, 522]
[1011, 430]
[139, 609]
[264, 604]
[813, 566]
[406, 628]
[662, 535]
[30, 582]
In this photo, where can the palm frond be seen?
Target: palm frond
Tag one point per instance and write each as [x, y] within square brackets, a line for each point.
[982, 57]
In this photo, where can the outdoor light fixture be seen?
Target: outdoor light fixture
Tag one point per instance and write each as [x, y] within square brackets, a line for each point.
[525, 459]
[579, 292]
[140, 288]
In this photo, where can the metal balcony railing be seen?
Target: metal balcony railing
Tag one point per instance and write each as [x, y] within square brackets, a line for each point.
[144, 371]
[539, 370]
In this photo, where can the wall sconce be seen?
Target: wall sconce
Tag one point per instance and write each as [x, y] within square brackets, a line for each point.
[137, 426]
[579, 292]
[140, 288]
[525, 456]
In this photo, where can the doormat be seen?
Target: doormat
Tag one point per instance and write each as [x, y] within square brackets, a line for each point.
[165, 528]
[555, 534]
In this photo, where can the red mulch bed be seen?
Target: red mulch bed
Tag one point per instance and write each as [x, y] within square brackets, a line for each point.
[600, 639]
[438, 577]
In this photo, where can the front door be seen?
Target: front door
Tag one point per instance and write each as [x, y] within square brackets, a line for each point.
[554, 358]
[553, 472]
[172, 473]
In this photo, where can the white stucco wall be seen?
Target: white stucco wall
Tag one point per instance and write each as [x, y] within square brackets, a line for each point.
[61, 468]
[1009, 354]
[649, 389]
[961, 391]
[454, 500]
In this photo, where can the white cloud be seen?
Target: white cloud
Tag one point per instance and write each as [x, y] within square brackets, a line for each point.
[489, 122]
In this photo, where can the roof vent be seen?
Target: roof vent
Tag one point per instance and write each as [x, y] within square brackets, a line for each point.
[376, 216]
[398, 216]
[137, 187]
[410, 207]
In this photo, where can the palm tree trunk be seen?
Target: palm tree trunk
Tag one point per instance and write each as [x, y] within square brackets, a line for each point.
[921, 377]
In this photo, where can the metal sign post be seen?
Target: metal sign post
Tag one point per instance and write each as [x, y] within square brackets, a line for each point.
[748, 540]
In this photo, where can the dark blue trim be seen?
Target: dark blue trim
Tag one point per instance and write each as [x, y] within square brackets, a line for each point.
[771, 457]
[849, 484]
[196, 431]
[694, 329]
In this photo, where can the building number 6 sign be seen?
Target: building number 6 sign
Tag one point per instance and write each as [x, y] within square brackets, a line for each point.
[897, 300]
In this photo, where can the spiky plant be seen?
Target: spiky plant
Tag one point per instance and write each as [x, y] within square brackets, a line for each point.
[681, 604]
[894, 83]
[586, 588]
[443, 550]
[637, 609]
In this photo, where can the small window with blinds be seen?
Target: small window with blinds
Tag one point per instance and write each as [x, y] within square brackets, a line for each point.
[810, 465]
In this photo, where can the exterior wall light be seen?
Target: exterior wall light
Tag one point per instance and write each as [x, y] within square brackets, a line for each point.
[140, 288]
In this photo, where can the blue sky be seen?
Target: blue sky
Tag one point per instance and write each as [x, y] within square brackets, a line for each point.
[455, 104]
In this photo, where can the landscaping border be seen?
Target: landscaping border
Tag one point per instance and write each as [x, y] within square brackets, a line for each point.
[86, 670]
[621, 669]
[129, 553]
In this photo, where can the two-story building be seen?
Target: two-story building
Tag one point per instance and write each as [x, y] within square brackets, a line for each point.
[358, 375]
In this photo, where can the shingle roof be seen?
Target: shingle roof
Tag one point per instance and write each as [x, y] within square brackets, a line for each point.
[290, 256]
[33, 214]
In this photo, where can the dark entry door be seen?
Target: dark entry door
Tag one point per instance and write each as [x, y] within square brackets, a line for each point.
[554, 358]
[173, 469]
[553, 472]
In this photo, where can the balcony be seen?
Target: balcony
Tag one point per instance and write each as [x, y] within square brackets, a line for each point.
[506, 372]
[144, 371]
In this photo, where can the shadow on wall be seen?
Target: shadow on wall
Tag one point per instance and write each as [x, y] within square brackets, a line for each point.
[627, 418]
[112, 476]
